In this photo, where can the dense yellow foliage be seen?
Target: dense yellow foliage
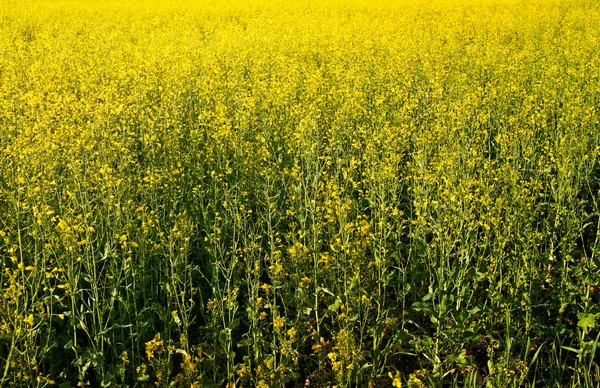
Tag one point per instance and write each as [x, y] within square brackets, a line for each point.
[320, 193]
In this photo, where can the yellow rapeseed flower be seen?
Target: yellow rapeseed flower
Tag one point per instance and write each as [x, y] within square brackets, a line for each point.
[29, 320]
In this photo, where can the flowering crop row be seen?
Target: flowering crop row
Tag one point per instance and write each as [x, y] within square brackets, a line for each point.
[300, 193]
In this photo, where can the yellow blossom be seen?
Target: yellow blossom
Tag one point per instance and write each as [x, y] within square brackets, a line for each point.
[29, 320]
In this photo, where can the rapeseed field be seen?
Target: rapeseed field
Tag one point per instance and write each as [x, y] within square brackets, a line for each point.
[335, 193]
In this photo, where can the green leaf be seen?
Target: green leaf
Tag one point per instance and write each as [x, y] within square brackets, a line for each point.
[586, 322]
[235, 323]
[427, 297]
[562, 308]
[335, 305]
[210, 269]
[461, 358]
[402, 335]
[223, 338]
[474, 310]
[245, 342]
